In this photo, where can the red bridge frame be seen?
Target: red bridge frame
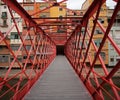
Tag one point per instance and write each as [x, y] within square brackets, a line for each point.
[47, 52]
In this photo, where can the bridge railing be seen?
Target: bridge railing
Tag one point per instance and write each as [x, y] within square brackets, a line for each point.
[89, 57]
[25, 52]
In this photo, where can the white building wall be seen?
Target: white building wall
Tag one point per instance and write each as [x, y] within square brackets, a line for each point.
[113, 55]
[9, 22]
[19, 25]
[3, 8]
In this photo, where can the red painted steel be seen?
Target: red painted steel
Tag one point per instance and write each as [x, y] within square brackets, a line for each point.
[43, 50]
[74, 52]
[15, 84]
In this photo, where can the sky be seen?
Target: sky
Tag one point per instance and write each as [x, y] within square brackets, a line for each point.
[76, 4]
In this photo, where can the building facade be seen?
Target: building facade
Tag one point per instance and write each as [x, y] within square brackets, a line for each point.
[114, 57]
[40, 11]
[12, 38]
[108, 54]
[15, 40]
[98, 34]
[5, 24]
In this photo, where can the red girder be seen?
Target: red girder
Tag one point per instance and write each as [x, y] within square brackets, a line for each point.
[43, 37]
[40, 49]
[79, 62]
[116, 0]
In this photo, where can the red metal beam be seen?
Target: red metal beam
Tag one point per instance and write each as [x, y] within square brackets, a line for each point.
[104, 39]
[92, 9]
[46, 18]
[46, 44]
[109, 37]
[115, 0]
[69, 49]
[91, 37]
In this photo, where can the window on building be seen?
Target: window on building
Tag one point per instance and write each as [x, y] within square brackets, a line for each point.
[111, 59]
[60, 31]
[98, 31]
[24, 27]
[43, 16]
[101, 20]
[1, 47]
[4, 15]
[28, 8]
[5, 22]
[24, 57]
[108, 20]
[60, 9]
[60, 17]
[19, 59]
[28, 47]
[32, 57]
[97, 42]
[43, 6]
[118, 20]
[4, 58]
[102, 54]
[15, 47]
[11, 59]
[76, 21]
[82, 31]
[14, 35]
[75, 13]
[5, 7]
[81, 13]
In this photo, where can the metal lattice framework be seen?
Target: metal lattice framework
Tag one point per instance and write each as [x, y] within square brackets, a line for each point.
[77, 38]
[79, 57]
[42, 49]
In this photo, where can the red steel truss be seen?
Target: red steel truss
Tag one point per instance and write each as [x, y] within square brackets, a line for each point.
[65, 24]
[87, 73]
[43, 50]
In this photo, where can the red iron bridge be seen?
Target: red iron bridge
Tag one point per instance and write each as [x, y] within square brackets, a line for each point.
[61, 66]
